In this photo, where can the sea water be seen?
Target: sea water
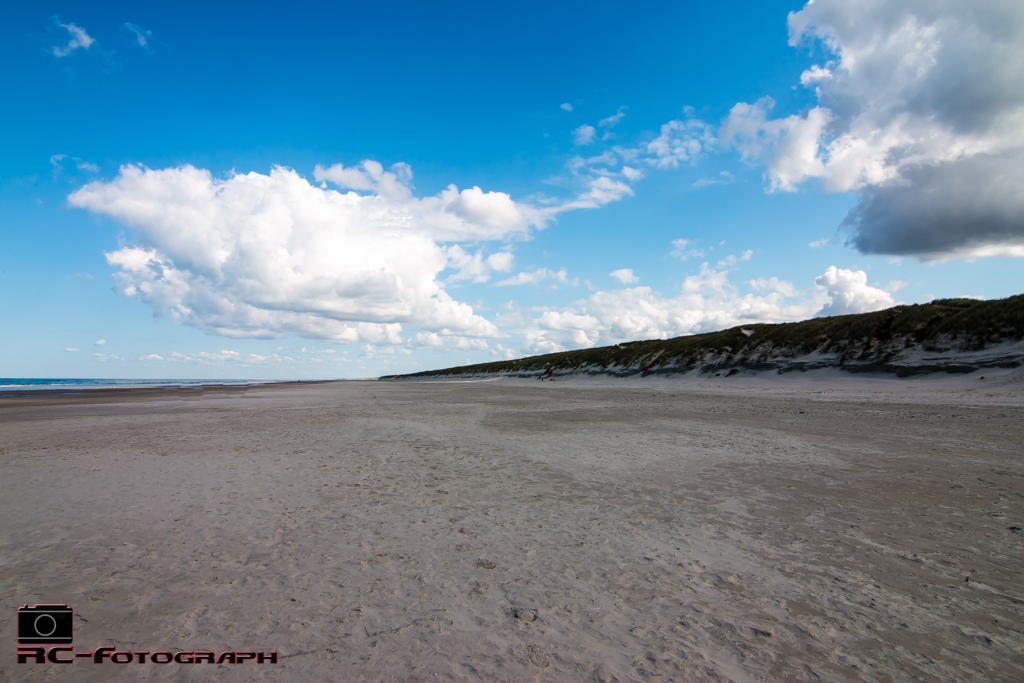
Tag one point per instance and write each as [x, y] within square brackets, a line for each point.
[31, 383]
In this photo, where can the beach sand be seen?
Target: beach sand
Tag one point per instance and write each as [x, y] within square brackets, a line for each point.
[819, 528]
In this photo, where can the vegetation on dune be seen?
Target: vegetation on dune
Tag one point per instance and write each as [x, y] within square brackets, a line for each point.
[866, 338]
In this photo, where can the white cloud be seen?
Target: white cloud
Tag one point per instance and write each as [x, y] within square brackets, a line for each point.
[731, 260]
[141, 35]
[537, 343]
[502, 261]
[499, 351]
[680, 142]
[72, 350]
[233, 357]
[684, 249]
[612, 120]
[584, 135]
[447, 342]
[268, 255]
[104, 357]
[100, 342]
[707, 301]
[536, 276]
[476, 267]
[493, 210]
[850, 292]
[599, 191]
[371, 351]
[78, 39]
[818, 244]
[774, 284]
[624, 275]
[895, 285]
[58, 163]
[264, 256]
[724, 178]
[566, 320]
[788, 147]
[565, 106]
[815, 74]
[632, 174]
[151, 356]
[920, 111]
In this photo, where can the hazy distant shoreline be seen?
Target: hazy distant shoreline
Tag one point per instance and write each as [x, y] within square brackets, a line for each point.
[63, 387]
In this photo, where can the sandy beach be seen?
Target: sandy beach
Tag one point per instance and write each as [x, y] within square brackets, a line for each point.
[818, 528]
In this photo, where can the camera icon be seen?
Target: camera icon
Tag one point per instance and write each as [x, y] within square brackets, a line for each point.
[45, 625]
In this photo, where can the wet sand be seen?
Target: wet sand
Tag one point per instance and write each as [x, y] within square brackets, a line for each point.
[590, 530]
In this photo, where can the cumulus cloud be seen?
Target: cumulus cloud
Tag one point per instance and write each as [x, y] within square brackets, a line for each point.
[788, 147]
[537, 343]
[850, 292]
[584, 135]
[679, 142]
[264, 256]
[267, 255]
[706, 301]
[774, 284]
[100, 342]
[499, 351]
[624, 275]
[104, 357]
[476, 267]
[565, 106]
[78, 38]
[815, 74]
[920, 112]
[151, 356]
[72, 350]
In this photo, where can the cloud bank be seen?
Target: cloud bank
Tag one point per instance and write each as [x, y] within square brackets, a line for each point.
[264, 256]
[270, 255]
[706, 302]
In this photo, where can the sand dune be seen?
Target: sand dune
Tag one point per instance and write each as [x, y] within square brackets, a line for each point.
[515, 530]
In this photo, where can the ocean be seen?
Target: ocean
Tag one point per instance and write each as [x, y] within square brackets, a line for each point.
[40, 383]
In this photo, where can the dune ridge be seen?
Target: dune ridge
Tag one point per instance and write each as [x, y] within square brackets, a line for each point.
[946, 335]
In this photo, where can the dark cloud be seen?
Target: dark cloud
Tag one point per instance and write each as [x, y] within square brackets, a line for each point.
[967, 208]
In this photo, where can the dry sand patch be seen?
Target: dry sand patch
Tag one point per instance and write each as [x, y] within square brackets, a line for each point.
[512, 531]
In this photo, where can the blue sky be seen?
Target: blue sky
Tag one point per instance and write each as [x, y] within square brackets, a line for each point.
[467, 183]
